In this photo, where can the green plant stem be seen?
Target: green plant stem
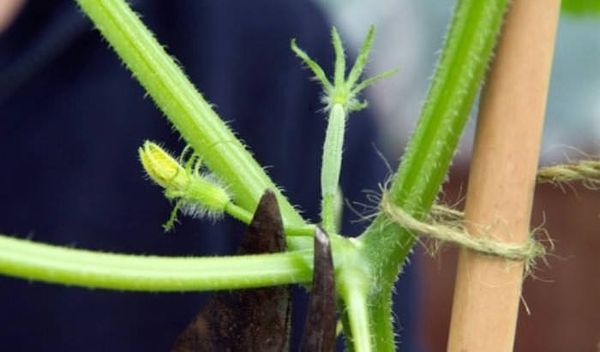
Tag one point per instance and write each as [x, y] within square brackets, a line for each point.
[36, 261]
[330, 170]
[354, 295]
[468, 47]
[246, 217]
[305, 231]
[239, 213]
[185, 107]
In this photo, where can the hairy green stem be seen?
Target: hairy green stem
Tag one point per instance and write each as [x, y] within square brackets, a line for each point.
[354, 295]
[468, 47]
[330, 170]
[43, 262]
[185, 107]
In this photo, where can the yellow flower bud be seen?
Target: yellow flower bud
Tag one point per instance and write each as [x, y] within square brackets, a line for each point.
[163, 168]
[197, 195]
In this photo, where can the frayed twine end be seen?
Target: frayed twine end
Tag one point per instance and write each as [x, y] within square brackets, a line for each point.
[585, 171]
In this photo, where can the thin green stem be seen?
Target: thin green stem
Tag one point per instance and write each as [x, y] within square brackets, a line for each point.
[54, 264]
[359, 321]
[305, 231]
[239, 213]
[353, 289]
[472, 35]
[246, 217]
[330, 170]
[185, 107]
[356, 303]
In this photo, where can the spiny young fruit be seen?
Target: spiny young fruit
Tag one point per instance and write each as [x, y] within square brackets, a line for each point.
[197, 194]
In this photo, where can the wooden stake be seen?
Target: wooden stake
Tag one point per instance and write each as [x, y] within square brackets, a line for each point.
[9, 9]
[502, 177]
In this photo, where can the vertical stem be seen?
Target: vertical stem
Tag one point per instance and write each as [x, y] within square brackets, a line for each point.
[354, 293]
[502, 177]
[424, 166]
[468, 47]
[330, 170]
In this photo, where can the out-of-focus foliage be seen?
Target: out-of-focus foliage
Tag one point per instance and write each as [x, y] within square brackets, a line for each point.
[581, 7]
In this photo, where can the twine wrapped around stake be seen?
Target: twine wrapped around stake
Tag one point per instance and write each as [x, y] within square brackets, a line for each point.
[443, 226]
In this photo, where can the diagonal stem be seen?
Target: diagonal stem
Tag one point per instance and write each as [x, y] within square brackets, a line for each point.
[185, 107]
[468, 47]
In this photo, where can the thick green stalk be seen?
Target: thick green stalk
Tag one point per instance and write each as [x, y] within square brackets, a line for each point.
[37, 261]
[185, 107]
[330, 170]
[472, 35]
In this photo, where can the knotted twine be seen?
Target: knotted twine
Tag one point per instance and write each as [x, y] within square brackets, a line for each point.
[445, 225]
[443, 230]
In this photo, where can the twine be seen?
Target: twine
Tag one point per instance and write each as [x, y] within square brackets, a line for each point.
[585, 171]
[444, 226]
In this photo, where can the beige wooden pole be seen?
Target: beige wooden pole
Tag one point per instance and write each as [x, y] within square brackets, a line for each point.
[502, 177]
[9, 9]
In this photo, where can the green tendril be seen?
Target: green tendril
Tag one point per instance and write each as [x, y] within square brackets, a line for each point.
[345, 89]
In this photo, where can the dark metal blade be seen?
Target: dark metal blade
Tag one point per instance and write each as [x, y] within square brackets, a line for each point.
[319, 327]
[251, 319]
